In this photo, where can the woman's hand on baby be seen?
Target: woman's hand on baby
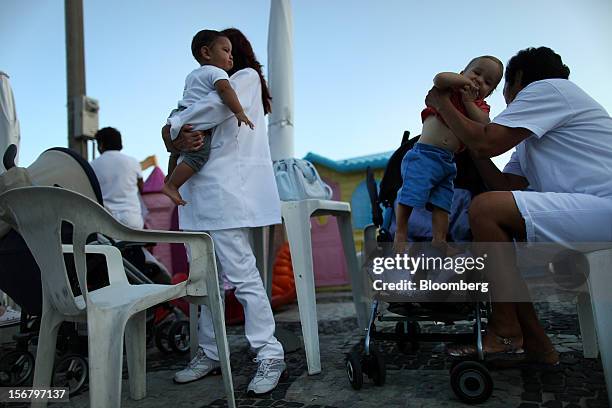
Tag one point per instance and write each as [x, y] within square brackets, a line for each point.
[435, 97]
[243, 118]
[189, 140]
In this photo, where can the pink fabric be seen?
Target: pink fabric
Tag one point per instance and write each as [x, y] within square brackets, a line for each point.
[154, 182]
[162, 216]
[329, 268]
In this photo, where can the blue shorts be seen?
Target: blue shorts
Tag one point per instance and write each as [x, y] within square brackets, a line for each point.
[427, 173]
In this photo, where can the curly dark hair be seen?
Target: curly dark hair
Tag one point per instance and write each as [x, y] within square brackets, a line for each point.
[203, 38]
[109, 138]
[536, 64]
[244, 57]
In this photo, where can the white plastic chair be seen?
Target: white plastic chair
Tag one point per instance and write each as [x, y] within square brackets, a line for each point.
[37, 214]
[595, 312]
[296, 216]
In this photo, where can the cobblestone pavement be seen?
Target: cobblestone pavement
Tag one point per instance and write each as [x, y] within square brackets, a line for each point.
[414, 378]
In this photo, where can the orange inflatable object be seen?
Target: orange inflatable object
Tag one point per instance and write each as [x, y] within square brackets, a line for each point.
[283, 283]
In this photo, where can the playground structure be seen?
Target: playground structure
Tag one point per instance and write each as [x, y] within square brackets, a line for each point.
[348, 182]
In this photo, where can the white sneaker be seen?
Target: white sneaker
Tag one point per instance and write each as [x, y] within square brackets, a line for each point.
[268, 374]
[199, 367]
[10, 317]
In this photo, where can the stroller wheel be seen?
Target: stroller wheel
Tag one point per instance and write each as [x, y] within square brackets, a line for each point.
[471, 382]
[162, 335]
[16, 368]
[71, 372]
[178, 336]
[376, 369]
[353, 370]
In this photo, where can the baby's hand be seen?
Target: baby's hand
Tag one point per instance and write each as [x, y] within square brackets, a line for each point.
[242, 118]
[469, 93]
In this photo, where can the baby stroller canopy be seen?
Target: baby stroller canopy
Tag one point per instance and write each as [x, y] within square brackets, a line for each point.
[58, 166]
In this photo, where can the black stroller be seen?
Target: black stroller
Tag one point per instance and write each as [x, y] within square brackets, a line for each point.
[470, 380]
[20, 278]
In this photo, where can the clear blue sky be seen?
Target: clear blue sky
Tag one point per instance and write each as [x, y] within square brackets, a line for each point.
[362, 68]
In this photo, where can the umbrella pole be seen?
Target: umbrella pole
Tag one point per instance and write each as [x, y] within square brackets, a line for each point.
[75, 70]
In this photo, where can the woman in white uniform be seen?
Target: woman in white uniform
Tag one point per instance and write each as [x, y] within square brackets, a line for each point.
[232, 193]
[563, 142]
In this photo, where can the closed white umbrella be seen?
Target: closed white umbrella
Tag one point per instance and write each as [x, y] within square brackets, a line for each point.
[9, 134]
[9, 125]
[280, 122]
[280, 79]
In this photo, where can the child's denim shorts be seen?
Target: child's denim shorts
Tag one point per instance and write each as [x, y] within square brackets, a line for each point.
[427, 173]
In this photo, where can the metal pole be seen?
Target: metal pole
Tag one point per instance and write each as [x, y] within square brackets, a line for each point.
[75, 69]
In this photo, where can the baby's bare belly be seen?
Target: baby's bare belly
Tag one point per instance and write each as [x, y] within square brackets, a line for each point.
[437, 134]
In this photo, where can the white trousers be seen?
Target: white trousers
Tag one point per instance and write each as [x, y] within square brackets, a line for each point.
[132, 219]
[236, 262]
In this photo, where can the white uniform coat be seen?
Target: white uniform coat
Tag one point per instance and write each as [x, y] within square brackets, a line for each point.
[236, 187]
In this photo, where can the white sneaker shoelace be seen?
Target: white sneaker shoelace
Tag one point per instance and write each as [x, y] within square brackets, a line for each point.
[197, 359]
[265, 366]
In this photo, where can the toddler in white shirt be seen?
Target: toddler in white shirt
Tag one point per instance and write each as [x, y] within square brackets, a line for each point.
[214, 53]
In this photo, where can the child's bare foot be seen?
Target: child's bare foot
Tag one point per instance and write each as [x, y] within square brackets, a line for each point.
[445, 248]
[173, 193]
[401, 247]
[452, 251]
[400, 243]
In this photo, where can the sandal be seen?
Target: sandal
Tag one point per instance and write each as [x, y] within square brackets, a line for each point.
[510, 348]
[548, 358]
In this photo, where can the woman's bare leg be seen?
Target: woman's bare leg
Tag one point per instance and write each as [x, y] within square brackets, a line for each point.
[535, 340]
[494, 217]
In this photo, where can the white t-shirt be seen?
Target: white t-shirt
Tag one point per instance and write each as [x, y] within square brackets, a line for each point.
[118, 176]
[570, 149]
[199, 83]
